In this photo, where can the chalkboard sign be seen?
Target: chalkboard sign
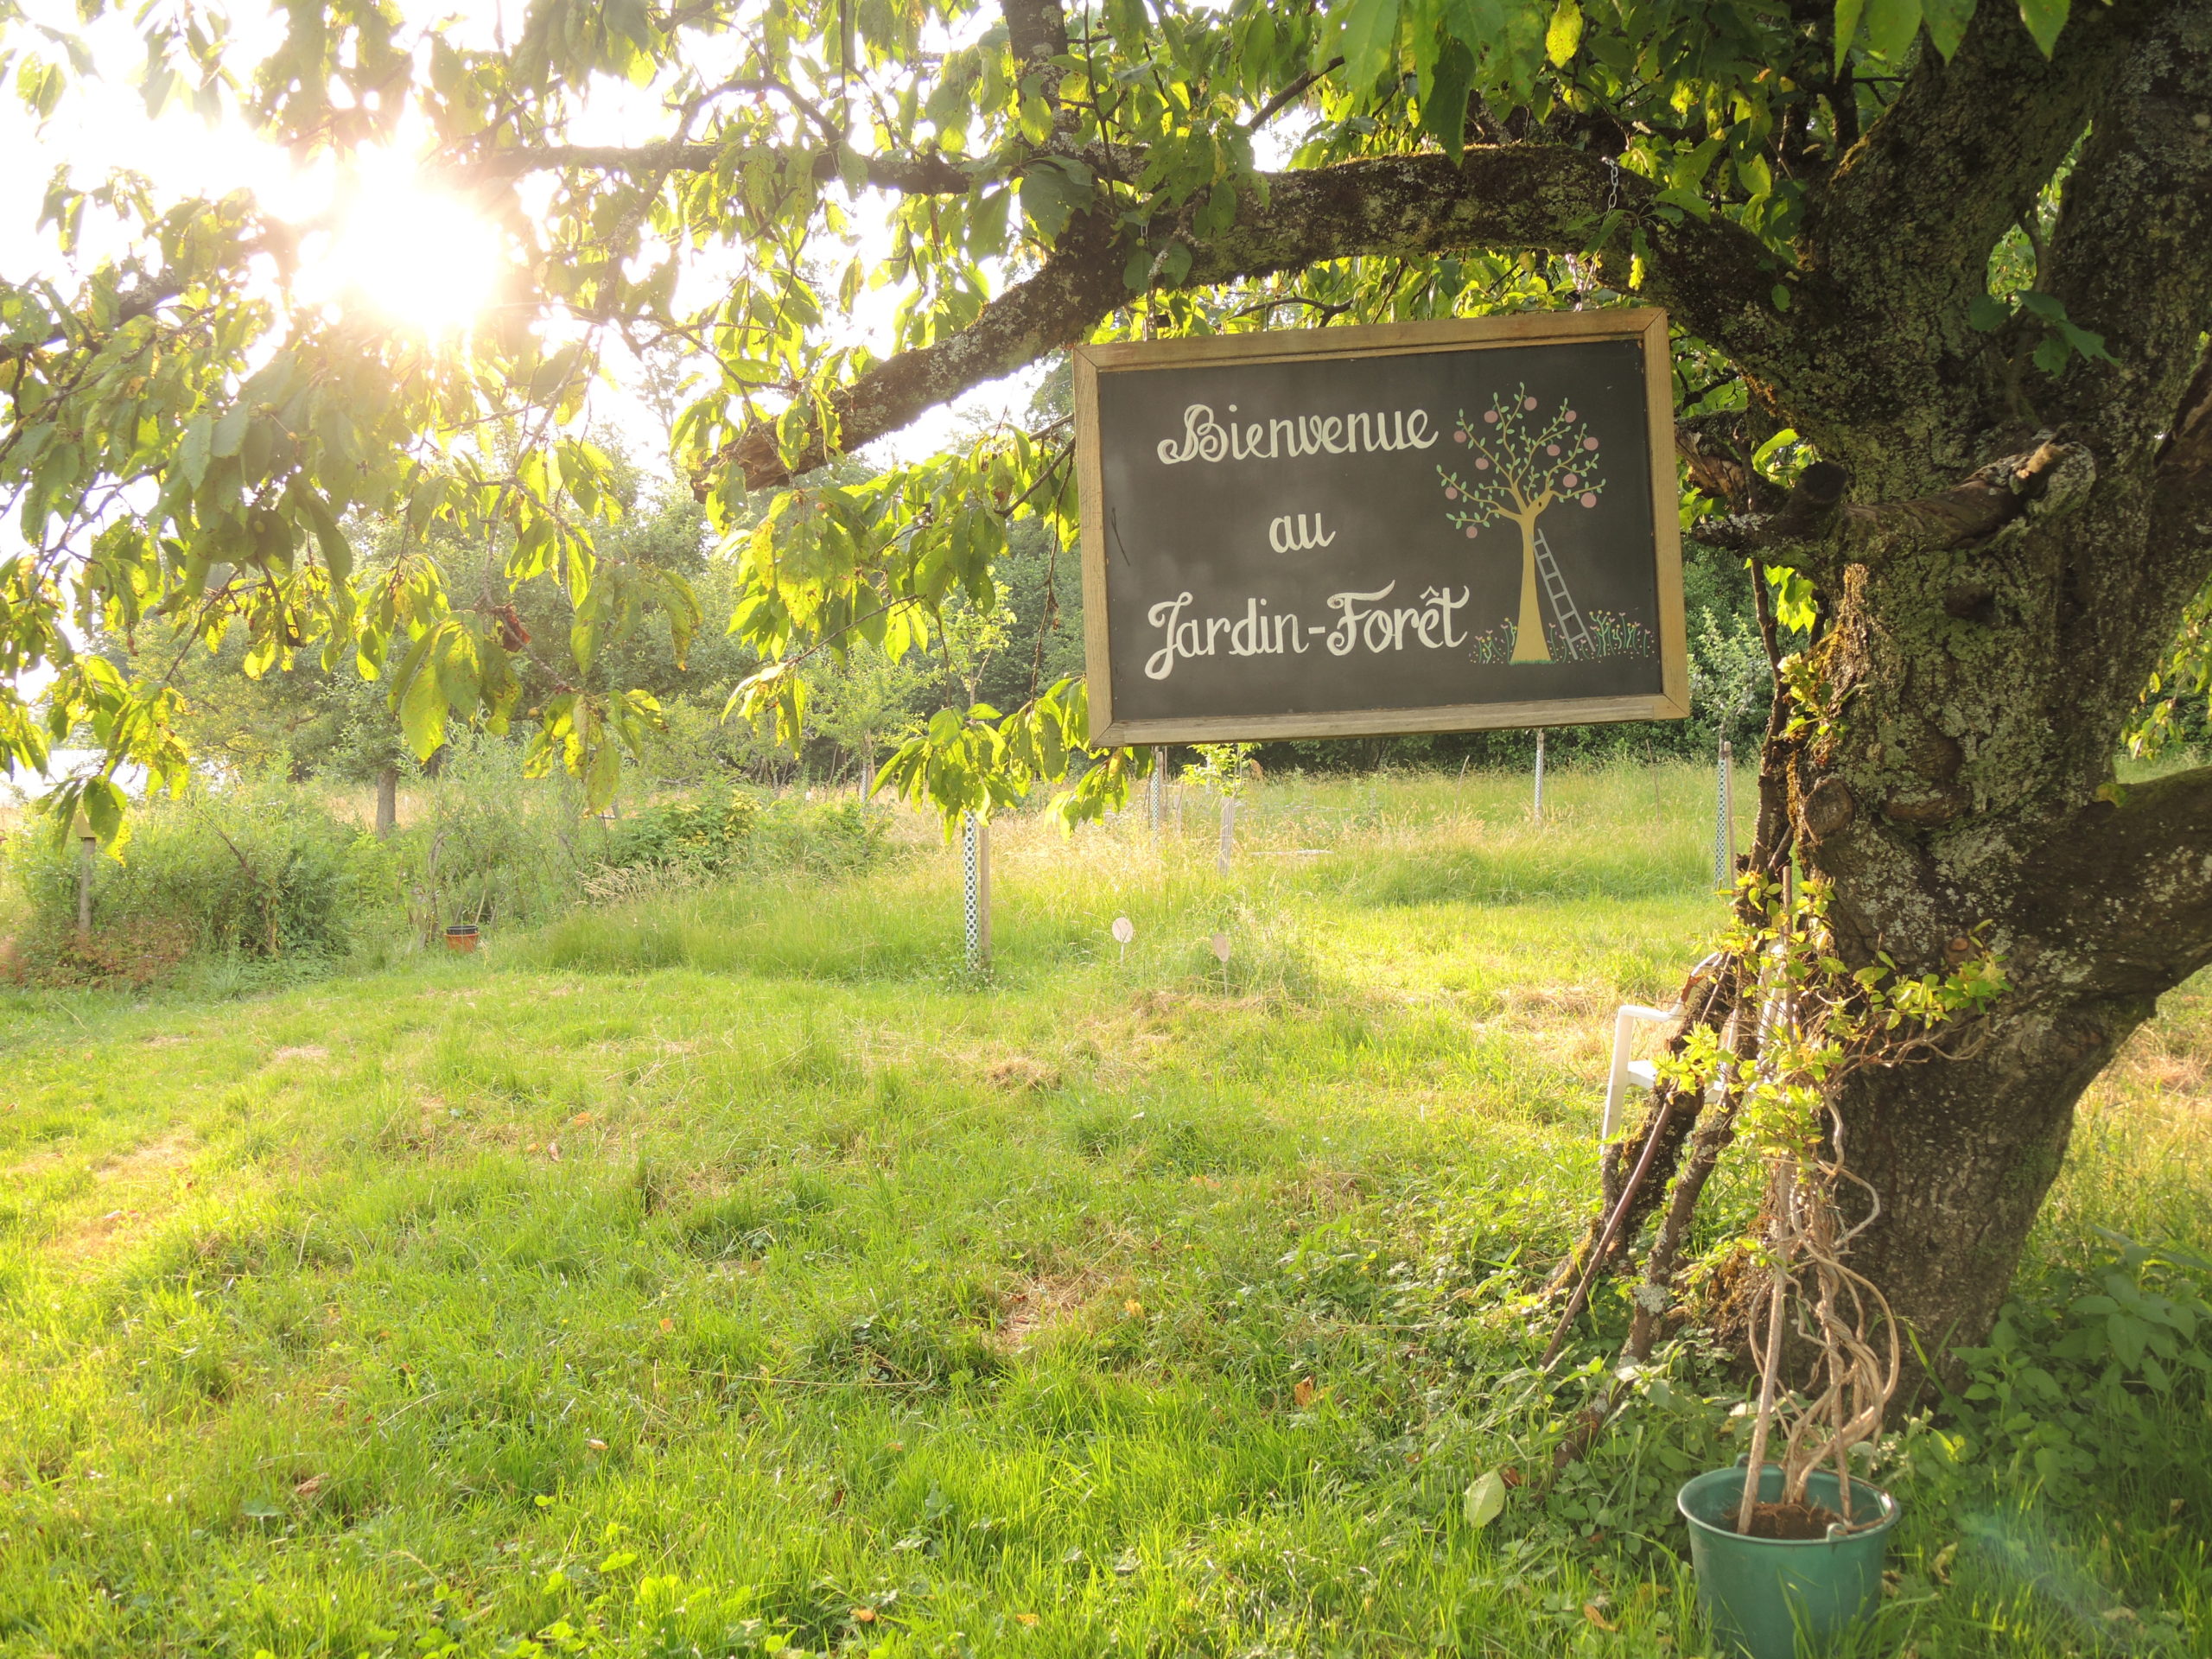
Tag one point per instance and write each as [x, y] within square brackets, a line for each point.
[1418, 527]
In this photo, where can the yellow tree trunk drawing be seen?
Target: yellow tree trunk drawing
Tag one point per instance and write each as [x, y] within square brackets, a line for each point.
[1530, 645]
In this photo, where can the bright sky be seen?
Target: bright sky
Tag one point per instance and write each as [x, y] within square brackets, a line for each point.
[419, 258]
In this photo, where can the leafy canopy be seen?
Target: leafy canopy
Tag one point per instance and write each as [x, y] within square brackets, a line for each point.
[192, 444]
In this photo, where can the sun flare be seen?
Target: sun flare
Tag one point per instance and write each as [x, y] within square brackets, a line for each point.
[415, 256]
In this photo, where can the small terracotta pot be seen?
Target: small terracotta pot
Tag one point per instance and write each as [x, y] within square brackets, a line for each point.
[460, 936]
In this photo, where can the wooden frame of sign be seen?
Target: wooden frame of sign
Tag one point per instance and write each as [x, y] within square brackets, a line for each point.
[1230, 596]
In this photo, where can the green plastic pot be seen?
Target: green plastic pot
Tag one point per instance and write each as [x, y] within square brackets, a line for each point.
[1763, 1595]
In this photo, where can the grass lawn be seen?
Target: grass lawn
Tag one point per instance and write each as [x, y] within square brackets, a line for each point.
[725, 1273]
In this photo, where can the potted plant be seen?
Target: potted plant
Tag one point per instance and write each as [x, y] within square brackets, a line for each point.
[1789, 1542]
[1798, 1550]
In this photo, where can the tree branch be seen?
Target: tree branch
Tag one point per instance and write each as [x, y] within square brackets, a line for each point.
[2127, 883]
[1904, 390]
[1036, 31]
[1715, 275]
[929, 175]
[2132, 254]
[1814, 531]
[1807, 515]
[1958, 159]
[1080, 283]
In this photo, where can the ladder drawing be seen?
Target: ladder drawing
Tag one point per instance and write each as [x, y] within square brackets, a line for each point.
[1574, 632]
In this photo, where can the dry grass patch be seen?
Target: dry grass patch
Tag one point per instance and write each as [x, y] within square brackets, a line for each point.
[141, 1173]
[1045, 1303]
[1020, 1074]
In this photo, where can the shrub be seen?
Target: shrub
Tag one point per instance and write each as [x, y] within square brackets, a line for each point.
[494, 846]
[724, 831]
[706, 836]
[254, 871]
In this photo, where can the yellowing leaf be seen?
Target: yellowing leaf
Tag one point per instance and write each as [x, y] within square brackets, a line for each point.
[1564, 35]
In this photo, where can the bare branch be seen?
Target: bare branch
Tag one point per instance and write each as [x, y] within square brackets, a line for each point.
[1290, 94]
[1714, 274]
[930, 174]
[1814, 531]
[2127, 884]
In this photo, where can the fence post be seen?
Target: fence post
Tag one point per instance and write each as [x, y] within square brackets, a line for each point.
[1540, 774]
[1227, 832]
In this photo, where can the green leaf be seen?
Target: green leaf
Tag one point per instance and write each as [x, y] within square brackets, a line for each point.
[1988, 314]
[192, 453]
[230, 431]
[337, 551]
[1890, 26]
[1370, 30]
[2127, 1334]
[1049, 197]
[103, 802]
[1444, 108]
[1485, 1500]
[1846, 28]
[2044, 19]
[422, 714]
[1793, 604]
[1564, 37]
[1947, 23]
[602, 776]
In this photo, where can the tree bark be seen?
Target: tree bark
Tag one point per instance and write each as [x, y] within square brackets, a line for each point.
[1962, 1154]
[387, 802]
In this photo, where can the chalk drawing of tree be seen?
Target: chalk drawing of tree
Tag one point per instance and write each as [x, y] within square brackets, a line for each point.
[1521, 466]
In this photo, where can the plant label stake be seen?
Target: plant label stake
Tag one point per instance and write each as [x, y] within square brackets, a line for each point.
[1124, 931]
[975, 870]
[1221, 954]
